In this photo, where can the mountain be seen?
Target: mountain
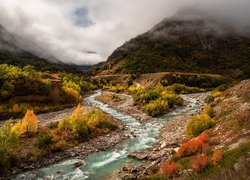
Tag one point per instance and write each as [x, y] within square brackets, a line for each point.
[12, 53]
[187, 42]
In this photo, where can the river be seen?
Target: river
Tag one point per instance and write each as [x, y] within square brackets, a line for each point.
[103, 165]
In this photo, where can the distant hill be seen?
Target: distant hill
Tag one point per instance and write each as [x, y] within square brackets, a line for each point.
[10, 53]
[183, 43]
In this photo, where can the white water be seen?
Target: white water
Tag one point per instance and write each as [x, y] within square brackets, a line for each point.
[101, 165]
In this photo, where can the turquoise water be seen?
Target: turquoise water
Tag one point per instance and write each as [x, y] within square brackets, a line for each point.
[102, 165]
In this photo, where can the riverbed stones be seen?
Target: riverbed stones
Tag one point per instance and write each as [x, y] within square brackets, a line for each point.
[138, 155]
[172, 135]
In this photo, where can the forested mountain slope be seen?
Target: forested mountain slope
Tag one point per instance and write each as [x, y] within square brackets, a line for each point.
[183, 43]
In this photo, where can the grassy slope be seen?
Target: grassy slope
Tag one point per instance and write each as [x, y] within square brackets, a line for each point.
[232, 133]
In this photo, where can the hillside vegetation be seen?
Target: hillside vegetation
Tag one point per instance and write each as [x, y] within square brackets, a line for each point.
[26, 142]
[217, 144]
[181, 44]
[25, 88]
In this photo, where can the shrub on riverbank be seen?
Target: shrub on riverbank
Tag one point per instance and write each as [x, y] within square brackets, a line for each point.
[182, 89]
[83, 126]
[156, 107]
[36, 142]
[156, 100]
[8, 143]
[118, 88]
[43, 140]
[198, 123]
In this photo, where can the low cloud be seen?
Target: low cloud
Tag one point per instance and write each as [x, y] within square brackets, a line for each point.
[86, 32]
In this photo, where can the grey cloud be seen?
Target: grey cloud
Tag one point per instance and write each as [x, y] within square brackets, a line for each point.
[68, 30]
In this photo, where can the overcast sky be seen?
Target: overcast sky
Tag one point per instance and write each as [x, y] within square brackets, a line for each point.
[72, 30]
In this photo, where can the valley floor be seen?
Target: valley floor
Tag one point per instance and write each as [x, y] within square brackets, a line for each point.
[172, 134]
[100, 143]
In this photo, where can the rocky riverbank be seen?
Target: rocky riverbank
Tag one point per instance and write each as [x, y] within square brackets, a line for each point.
[172, 134]
[123, 103]
[100, 143]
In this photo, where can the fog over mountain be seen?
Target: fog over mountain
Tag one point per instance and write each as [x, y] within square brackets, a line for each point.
[87, 31]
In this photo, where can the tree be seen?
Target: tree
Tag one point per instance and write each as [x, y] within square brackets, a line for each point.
[8, 142]
[28, 124]
[7, 89]
[78, 113]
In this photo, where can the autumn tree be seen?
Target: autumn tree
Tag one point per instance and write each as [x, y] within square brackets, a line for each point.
[28, 124]
[8, 141]
[78, 113]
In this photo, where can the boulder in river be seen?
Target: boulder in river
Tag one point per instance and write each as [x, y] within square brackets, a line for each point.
[78, 164]
[138, 155]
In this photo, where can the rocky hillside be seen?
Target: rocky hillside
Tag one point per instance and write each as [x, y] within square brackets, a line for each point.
[12, 53]
[183, 43]
[220, 152]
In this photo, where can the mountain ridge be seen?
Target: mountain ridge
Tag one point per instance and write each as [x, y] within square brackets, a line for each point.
[181, 43]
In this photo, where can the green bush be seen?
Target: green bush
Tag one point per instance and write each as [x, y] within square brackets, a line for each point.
[80, 129]
[8, 142]
[157, 107]
[182, 89]
[109, 125]
[43, 140]
[82, 126]
[197, 124]
[209, 99]
[156, 100]
[53, 125]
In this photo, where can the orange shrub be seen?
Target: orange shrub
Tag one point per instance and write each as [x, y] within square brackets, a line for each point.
[169, 168]
[15, 108]
[216, 157]
[193, 146]
[199, 163]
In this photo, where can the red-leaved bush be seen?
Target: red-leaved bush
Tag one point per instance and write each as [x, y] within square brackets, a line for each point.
[216, 157]
[199, 163]
[193, 146]
[169, 168]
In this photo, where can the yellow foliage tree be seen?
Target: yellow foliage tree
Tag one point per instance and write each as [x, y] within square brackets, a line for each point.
[18, 128]
[93, 118]
[73, 93]
[78, 111]
[28, 124]
[30, 121]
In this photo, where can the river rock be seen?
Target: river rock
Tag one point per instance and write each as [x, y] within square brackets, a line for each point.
[138, 155]
[78, 164]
